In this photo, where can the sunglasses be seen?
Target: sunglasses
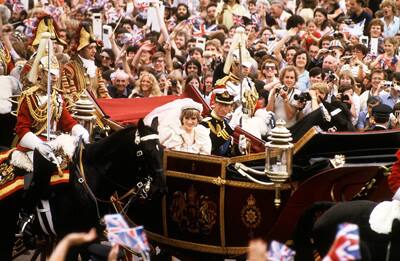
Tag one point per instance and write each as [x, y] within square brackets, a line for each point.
[269, 67]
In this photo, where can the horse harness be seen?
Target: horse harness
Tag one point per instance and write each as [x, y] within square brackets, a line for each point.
[140, 189]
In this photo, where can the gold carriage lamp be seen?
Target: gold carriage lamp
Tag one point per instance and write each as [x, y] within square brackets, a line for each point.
[84, 112]
[278, 161]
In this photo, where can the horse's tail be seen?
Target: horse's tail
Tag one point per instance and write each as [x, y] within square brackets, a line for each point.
[303, 232]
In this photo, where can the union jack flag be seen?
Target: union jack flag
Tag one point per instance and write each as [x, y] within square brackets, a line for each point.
[193, 20]
[347, 244]
[30, 25]
[120, 233]
[54, 11]
[142, 6]
[115, 222]
[238, 19]
[203, 30]
[280, 252]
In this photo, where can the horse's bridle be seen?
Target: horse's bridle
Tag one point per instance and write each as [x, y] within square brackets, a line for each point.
[140, 189]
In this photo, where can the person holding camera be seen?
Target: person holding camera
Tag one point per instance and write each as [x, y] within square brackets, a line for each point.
[355, 63]
[347, 97]
[281, 97]
[313, 98]
[391, 97]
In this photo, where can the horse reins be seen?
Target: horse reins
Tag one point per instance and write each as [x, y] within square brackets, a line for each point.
[140, 188]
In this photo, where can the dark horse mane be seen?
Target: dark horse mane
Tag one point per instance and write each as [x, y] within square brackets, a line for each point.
[114, 164]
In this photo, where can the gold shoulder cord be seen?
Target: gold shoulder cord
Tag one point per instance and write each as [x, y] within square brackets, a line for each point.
[39, 113]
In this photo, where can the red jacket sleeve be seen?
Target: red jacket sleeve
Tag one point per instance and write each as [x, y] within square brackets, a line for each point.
[24, 120]
[66, 122]
[394, 177]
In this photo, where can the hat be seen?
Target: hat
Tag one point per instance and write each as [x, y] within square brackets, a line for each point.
[335, 44]
[247, 61]
[41, 59]
[381, 111]
[223, 96]
[238, 50]
[85, 36]
[47, 24]
[192, 105]
[54, 66]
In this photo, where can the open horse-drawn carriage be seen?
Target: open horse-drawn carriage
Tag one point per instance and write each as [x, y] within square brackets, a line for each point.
[211, 208]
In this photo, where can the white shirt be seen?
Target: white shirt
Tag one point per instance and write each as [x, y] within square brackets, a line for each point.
[280, 112]
[90, 66]
[393, 28]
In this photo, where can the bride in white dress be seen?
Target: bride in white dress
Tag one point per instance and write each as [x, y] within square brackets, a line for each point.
[179, 127]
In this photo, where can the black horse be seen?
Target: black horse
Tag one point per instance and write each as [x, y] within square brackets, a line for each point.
[373, 246]
[339, 117]
[114, 164]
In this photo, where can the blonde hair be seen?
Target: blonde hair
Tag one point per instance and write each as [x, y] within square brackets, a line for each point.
[155, 88]
[390, 3]
[392, 40]
[322, 87]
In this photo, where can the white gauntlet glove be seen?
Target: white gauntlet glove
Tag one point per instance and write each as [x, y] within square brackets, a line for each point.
[79, 131]
[45, 149]
[397, 195]
[31, 141]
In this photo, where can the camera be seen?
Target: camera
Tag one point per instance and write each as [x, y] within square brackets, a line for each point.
[387, 84]
[283, 87]
[345, 98]
[338, 35]
[346, 59]
[173, 83]
[330, 77]
[348, 21]
[302, 97]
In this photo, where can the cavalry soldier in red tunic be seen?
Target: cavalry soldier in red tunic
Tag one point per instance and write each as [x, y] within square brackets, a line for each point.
[81, 73]
[32, 123]
[394, 178]
[32, 107]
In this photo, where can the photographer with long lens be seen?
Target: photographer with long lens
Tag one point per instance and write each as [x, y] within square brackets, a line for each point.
[355, 63]
[281, 98]
[344, 99]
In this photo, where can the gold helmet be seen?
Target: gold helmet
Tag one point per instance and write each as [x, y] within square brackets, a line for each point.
[42, 59]
[47, 24]
[86, 36]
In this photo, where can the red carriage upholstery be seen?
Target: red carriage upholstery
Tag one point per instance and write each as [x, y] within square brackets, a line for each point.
[128, 111]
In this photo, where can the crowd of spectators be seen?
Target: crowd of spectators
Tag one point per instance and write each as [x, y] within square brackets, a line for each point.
[348, 49]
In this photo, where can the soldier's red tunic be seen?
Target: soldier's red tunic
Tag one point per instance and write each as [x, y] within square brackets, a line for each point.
[394, 177]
